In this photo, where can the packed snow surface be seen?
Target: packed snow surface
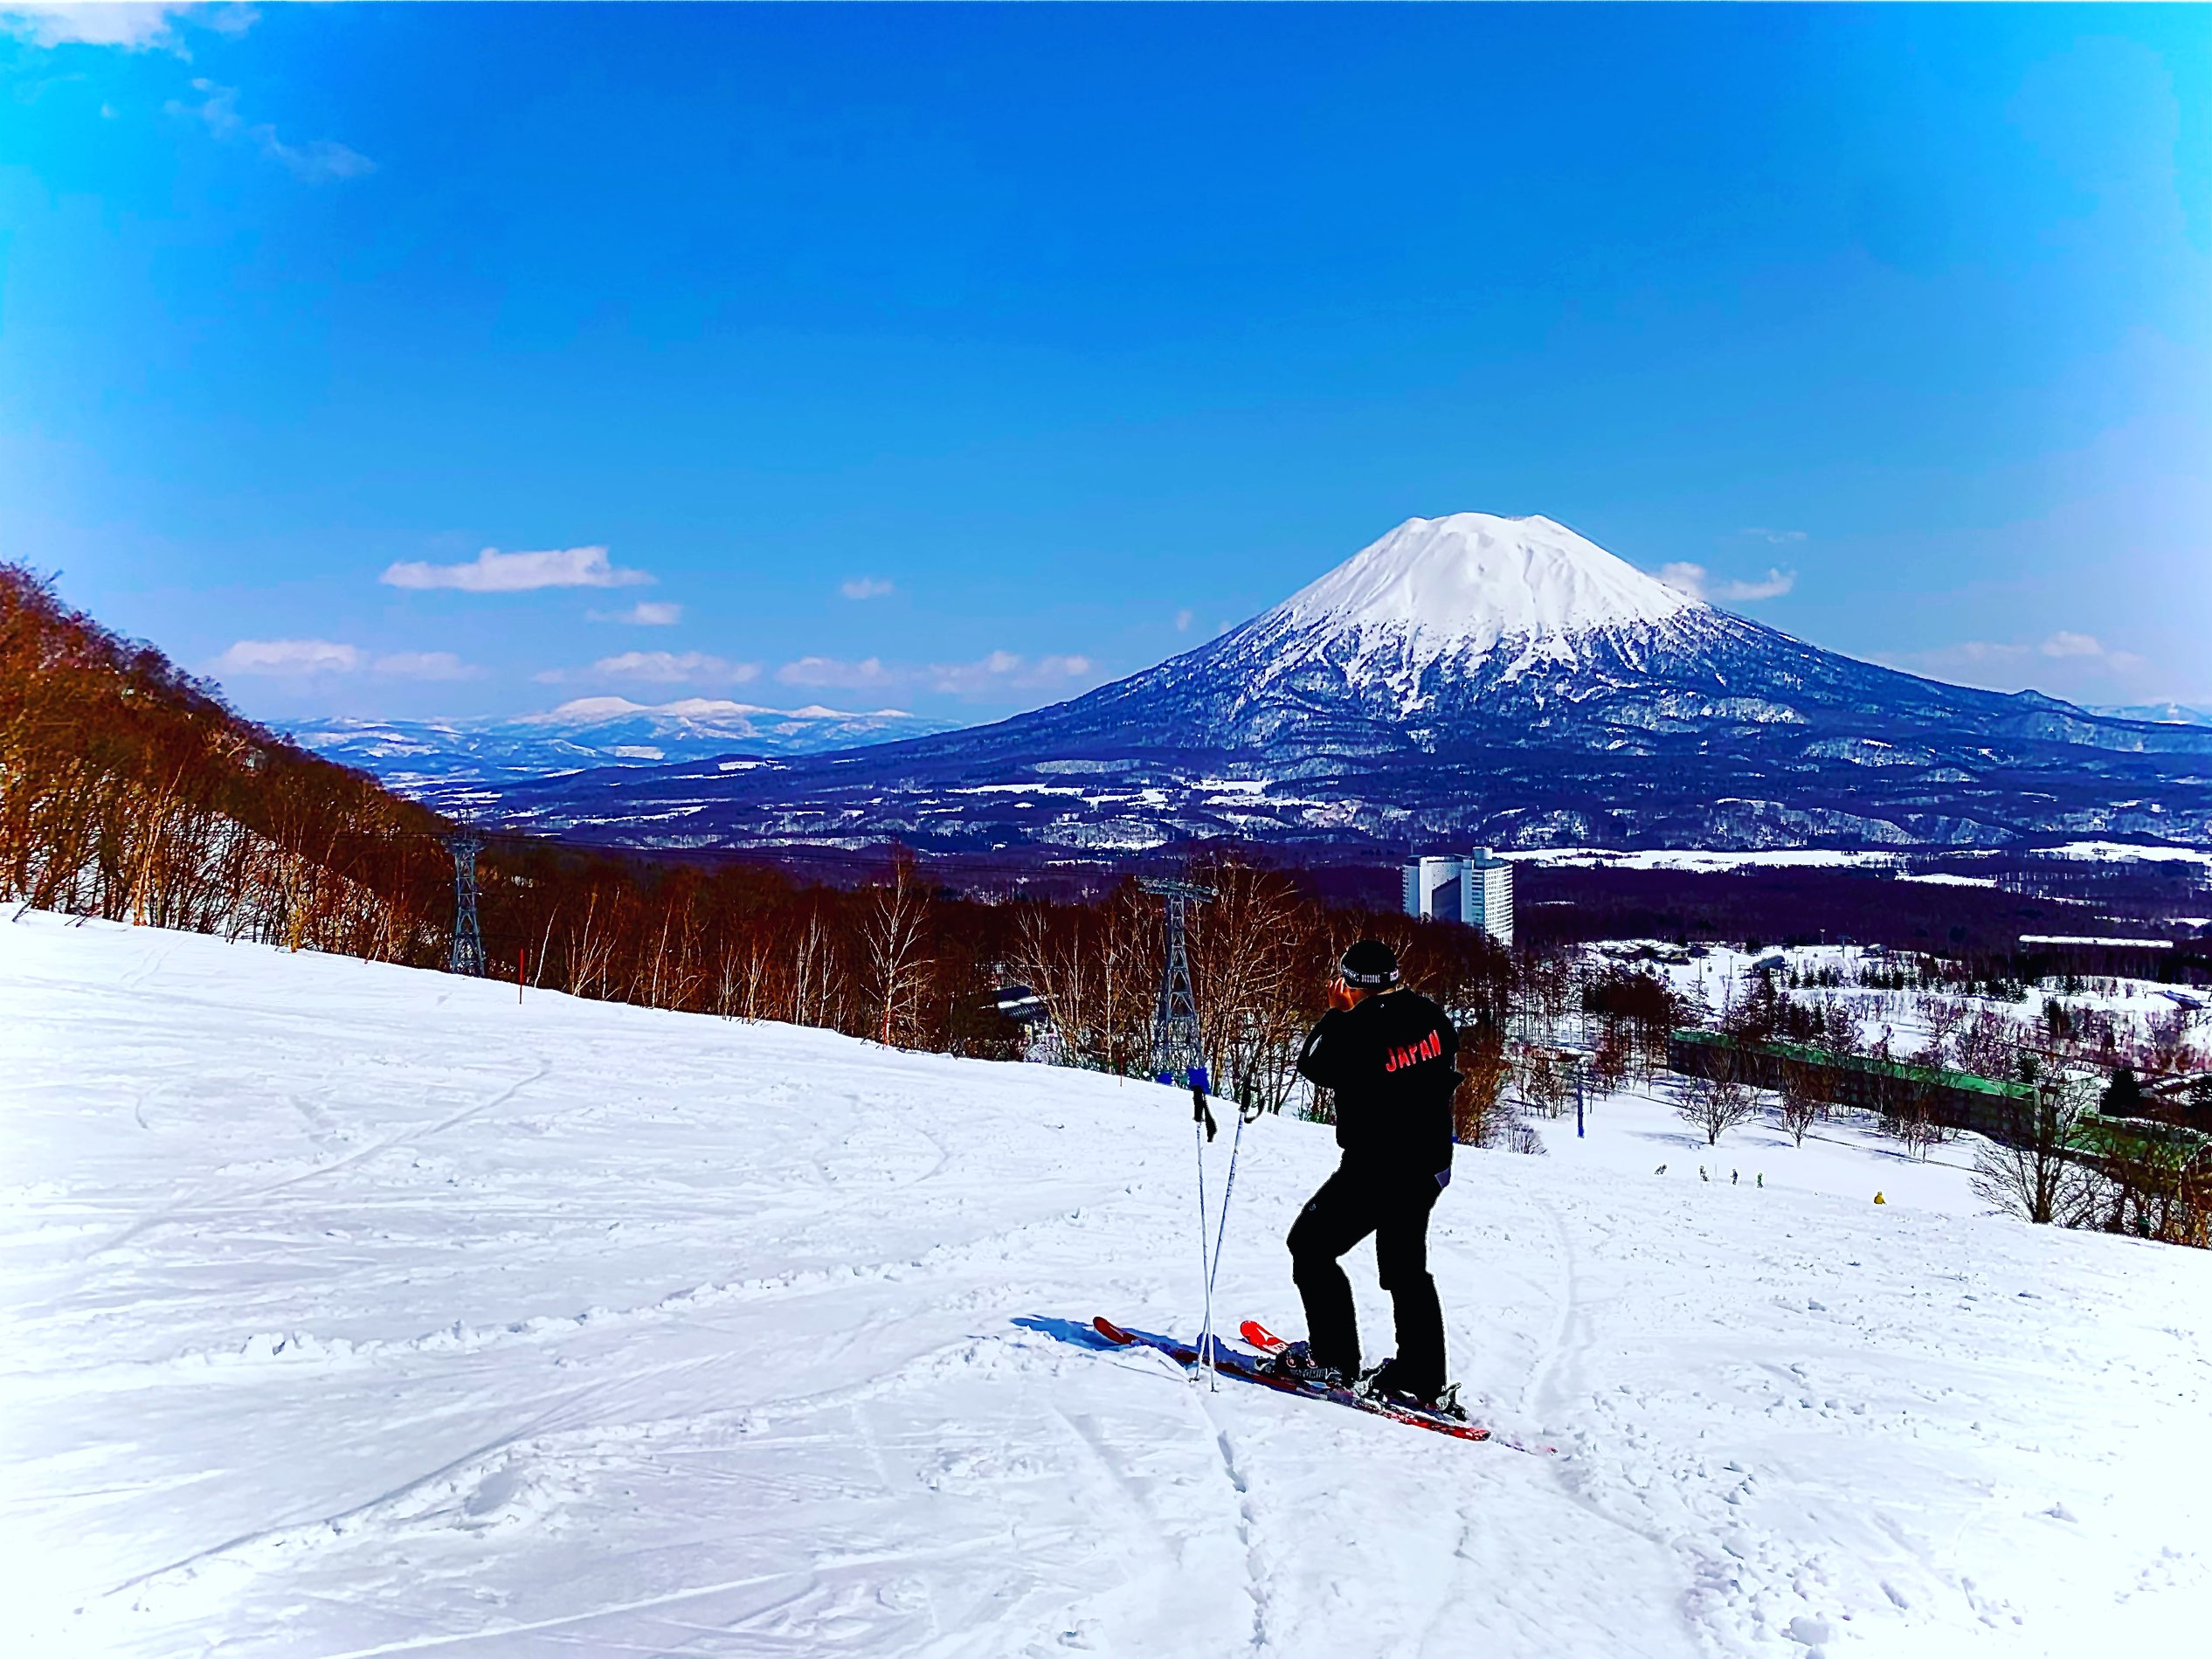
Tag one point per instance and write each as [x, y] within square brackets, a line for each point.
[353, 1310]
[1471, 579]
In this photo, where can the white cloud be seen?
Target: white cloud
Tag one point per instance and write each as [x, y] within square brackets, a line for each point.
[1006, 671]
[994, 675]
[646, 613]
[2065, 644]
[1773, 585]
[1698, 583]
[290, 658]
[427, 664]
[2075, 659]
[1777, 538]
[133, 27]
[1183, 620]
[830, 671]
[670, 668]
[305, 659]
[865, 587]
[493, 571]
[316, 161]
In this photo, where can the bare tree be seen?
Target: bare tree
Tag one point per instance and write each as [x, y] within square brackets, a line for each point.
[1483, 1072]
[892, 936]
[816, 978]
[1718, 1099]
[1543, 1079]
[1247, 956]
[1610, 1058]
[1802, 1105]
[2033, 1169]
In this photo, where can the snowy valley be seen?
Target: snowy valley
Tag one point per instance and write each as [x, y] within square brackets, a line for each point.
[359, 1309]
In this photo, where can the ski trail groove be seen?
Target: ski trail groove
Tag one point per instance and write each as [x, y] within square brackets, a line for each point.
[1537, 1392]
[1247, 1529]
[201, 1209]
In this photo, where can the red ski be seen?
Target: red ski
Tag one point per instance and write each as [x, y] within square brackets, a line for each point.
[1233, 1363]
[1267, 1342]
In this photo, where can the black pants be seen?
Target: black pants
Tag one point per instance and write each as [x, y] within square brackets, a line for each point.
[1394, 1206]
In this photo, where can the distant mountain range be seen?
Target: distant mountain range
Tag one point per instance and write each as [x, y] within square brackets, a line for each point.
[1464, 681]
[450, 762]
[2174, 713]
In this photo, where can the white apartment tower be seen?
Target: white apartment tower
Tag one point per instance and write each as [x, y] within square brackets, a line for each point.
[1476, 889]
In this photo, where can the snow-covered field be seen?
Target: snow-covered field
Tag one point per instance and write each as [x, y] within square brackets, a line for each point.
[357, 1310]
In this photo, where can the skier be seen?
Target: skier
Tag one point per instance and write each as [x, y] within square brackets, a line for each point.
[1389, 1056]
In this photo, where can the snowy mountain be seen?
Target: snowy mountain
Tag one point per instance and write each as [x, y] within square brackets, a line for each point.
[1468, 678]
[2179, 714]
[436, 758]
[355, 1308]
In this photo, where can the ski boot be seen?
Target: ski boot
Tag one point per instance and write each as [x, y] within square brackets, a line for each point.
[1293, 1362]
[1384, 1385]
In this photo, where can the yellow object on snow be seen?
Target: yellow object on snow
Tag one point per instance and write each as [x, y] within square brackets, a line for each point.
[1878, 1199]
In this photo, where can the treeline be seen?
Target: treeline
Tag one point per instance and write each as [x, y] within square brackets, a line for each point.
[129, 791]
[2084, 1144]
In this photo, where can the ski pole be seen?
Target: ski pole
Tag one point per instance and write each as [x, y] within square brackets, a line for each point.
[1200, 1122]
[1228, 1192]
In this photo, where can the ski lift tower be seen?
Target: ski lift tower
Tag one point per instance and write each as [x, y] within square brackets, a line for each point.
[1179, 1054]
[467, 954]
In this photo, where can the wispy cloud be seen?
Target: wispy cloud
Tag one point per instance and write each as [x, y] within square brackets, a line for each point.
[427, 664]
[1699, 583]
[311, 659]
[1006, 671]
[1774, 538]
[2065, 656]
[290, 658]
[833, 672]
[865, 587]
[1183, 620]
[493, 571]
[998, 672]
[646, 613]
[1773, 585]
[663, 668]
[133, 27]
[316, 161]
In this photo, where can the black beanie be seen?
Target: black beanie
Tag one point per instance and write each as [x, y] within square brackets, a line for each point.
[1369, 966]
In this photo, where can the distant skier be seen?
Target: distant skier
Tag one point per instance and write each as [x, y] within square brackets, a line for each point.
[1389, 1056]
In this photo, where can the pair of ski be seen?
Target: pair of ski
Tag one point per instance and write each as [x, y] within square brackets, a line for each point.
[1230, 1363]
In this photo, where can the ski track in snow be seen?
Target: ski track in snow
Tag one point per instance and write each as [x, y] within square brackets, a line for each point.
[354, 1310]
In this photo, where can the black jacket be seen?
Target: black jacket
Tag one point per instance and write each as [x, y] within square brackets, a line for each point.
[1393, 1063]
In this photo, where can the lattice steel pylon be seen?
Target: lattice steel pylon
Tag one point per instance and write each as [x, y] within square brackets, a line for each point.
[467, 954]
[1179, 1051]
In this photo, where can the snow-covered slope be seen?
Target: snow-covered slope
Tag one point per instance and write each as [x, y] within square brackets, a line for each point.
[352, 1310]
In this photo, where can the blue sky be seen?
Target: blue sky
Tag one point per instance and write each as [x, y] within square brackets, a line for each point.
[954, 359]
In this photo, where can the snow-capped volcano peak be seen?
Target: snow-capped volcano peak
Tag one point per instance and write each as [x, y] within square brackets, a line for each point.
[1473, 578]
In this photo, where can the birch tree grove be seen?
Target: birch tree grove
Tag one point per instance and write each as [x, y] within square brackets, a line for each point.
[891, 939]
